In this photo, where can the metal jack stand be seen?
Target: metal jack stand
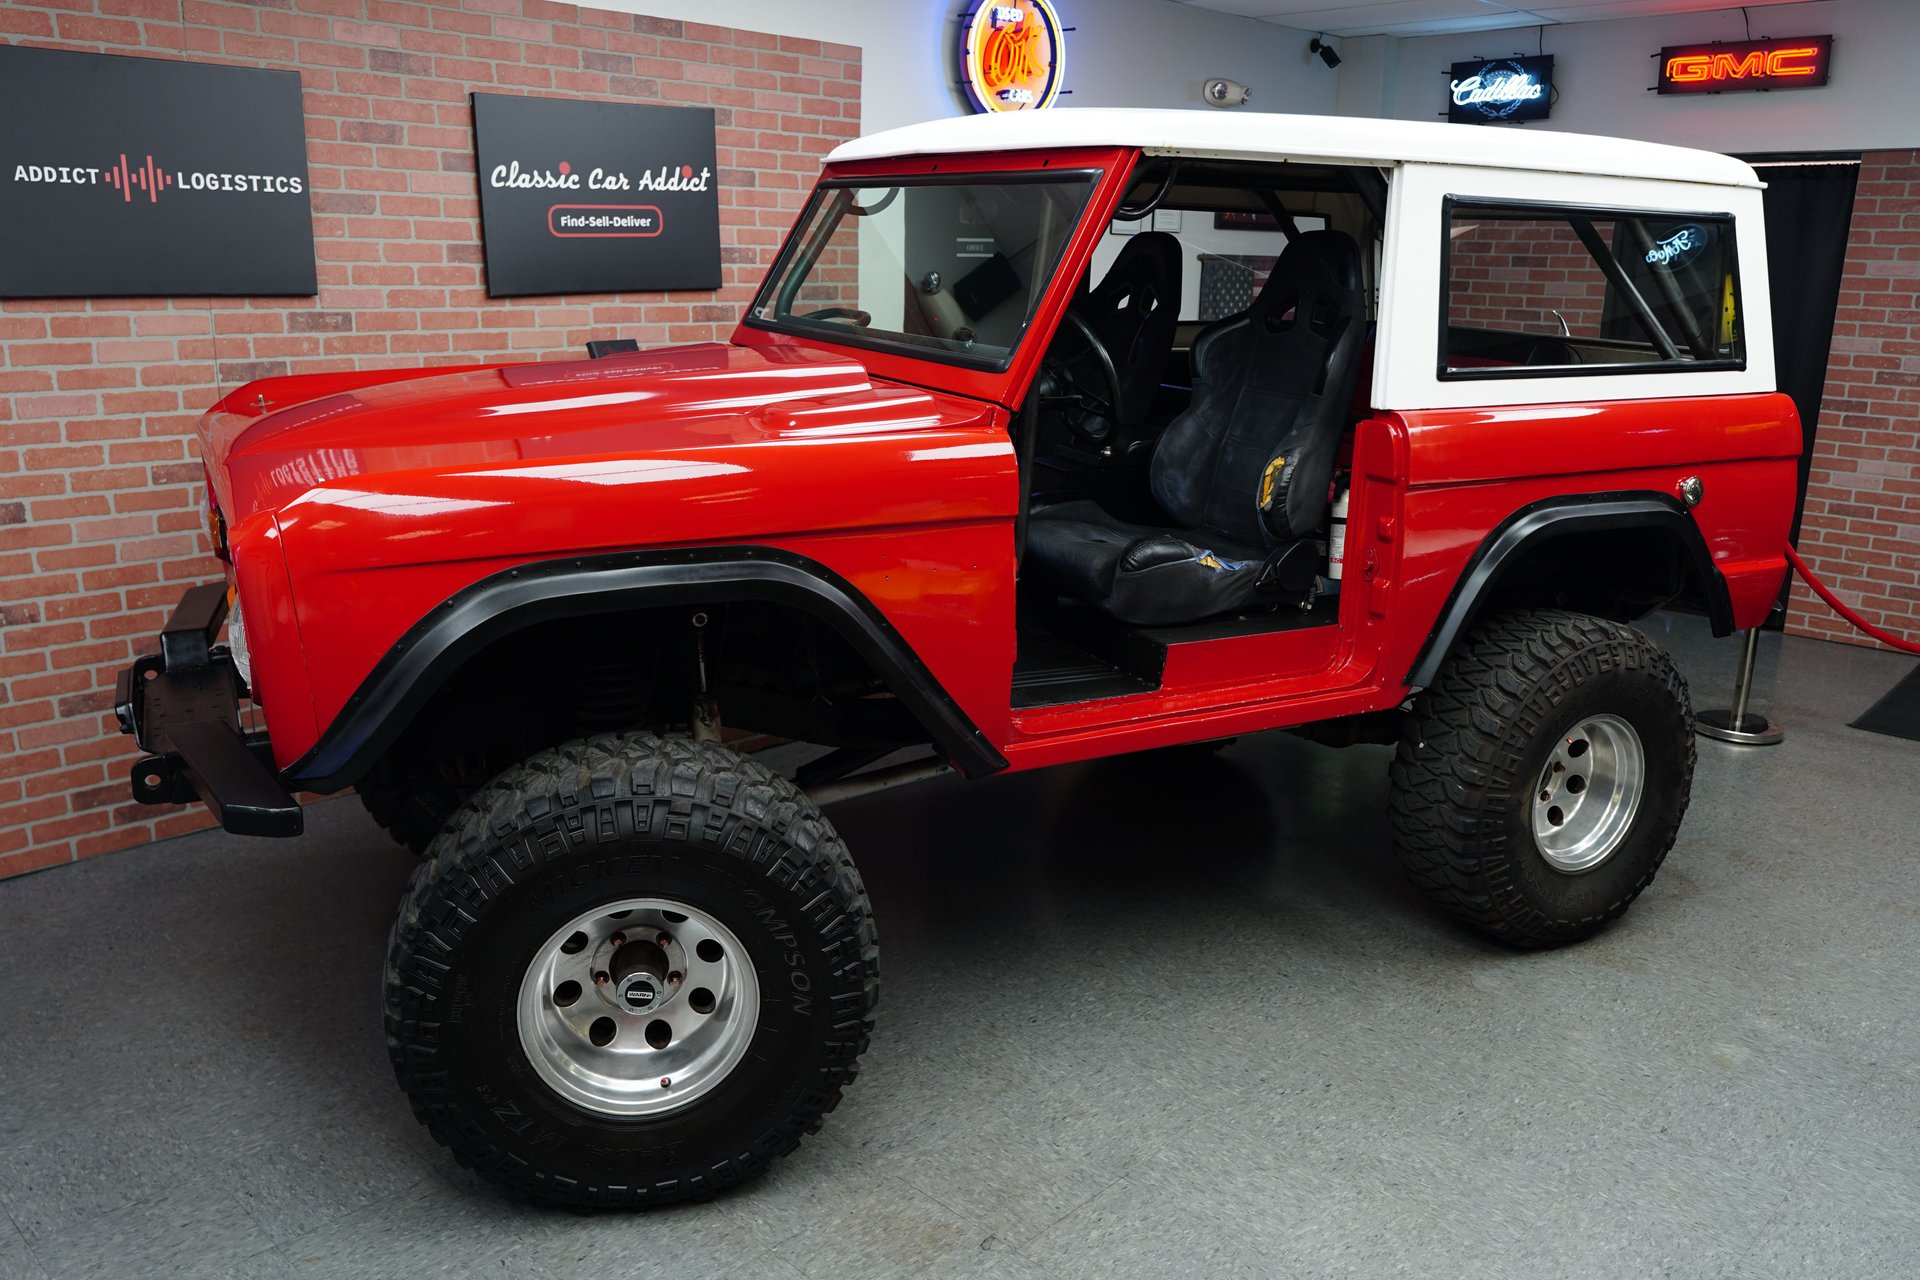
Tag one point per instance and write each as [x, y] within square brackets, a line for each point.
[1738, 725]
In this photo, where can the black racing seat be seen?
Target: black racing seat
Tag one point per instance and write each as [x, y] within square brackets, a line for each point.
[1243, 473]
[1135, 312]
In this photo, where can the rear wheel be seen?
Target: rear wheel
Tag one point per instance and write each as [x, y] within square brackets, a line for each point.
[632, 971]
[1541, 781]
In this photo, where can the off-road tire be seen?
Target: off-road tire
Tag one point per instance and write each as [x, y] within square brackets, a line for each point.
[592, 822]
[1464, 772]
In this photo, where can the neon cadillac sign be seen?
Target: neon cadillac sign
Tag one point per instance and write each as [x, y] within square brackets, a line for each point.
[1012, 55]
[1501, 89]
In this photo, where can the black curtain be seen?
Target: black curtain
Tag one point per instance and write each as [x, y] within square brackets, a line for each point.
[1809, 208]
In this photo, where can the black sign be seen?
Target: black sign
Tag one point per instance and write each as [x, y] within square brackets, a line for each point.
[1245, 220]
[1800, 63]
[1501, 89]
[596, 197]
[134, 176]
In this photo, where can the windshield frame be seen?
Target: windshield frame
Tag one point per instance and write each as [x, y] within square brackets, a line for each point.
[797, 241]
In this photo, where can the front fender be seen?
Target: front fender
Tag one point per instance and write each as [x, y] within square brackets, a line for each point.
[514, 599]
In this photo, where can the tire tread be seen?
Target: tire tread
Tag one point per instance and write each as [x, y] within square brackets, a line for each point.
[1458, 758]
[535, 814]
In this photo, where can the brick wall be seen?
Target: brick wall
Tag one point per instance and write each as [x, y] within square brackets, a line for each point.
[100, 493]
[1861, 532]
[1512, 276]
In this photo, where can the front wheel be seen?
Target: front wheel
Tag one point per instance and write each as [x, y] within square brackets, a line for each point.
[1541, 781]
[632, 971]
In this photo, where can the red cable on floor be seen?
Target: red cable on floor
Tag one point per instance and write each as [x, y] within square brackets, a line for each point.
[1820, 589]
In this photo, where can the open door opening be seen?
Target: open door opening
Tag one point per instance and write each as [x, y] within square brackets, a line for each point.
[1189, 435]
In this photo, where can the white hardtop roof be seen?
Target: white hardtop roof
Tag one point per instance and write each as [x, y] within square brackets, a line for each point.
[1330, 139]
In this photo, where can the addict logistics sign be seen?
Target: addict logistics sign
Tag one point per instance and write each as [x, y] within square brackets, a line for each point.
[137, 176]
[596, 197]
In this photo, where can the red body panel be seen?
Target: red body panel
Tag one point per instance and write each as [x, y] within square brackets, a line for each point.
[1218, 688]
[479, 471]
[1428, 489]
[358, 503]
[1468, 469]
[280, 682]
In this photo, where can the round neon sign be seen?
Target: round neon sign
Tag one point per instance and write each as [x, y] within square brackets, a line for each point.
[1012, 55]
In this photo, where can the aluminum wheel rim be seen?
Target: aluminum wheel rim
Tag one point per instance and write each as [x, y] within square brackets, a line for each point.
[1588, 793]
[583, 1033]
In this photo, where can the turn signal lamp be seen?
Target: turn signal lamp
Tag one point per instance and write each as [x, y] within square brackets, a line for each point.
[216, 523]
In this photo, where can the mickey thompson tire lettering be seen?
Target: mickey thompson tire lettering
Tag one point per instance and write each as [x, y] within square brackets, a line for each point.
[609, 818]
[1465, 771]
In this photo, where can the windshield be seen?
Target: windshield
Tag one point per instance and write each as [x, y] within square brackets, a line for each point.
[951, 268]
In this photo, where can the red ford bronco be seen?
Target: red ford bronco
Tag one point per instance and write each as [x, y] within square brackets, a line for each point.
[1047, 437]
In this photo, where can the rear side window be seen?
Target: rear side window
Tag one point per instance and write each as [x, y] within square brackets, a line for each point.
[1533, 290]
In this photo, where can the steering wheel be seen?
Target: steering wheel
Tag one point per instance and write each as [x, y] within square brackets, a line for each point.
[859, 317]
[1088, 415]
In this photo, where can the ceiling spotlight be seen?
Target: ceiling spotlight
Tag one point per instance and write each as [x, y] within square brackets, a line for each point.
[1325, 50]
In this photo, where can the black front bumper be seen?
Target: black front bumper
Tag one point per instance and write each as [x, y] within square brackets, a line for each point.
[182, 705]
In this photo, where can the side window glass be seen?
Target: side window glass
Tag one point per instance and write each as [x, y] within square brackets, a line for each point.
[1684, 269]
[1529, 289]
[1518, 276]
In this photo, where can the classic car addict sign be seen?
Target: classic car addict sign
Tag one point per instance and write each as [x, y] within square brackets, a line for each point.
[596, 197]
[1500, 89]
[136, 176]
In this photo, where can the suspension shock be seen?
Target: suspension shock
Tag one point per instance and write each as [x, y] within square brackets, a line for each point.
[706, 712]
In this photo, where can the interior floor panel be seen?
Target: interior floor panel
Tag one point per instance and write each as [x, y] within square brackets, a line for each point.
[1050, 671]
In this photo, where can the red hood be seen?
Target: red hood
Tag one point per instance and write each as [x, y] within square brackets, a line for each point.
[321, 429]
[353, 501]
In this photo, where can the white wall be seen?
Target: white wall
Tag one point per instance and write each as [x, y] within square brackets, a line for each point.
[1122, 53]
[1153, 53]
[1602, 70]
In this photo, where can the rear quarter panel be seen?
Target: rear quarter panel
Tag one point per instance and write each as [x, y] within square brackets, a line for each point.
[1468, 470]
[1477, 451]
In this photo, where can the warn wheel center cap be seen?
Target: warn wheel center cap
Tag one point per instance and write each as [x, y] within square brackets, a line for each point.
[639, 992]
[639, 970]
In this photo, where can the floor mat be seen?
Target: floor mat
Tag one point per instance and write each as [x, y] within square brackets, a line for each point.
[1897, 714]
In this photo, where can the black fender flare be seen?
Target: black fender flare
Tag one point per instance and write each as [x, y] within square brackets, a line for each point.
[497, 606]
[1559, 517]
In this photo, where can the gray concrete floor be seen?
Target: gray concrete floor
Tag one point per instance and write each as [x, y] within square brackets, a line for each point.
[1139, 1018]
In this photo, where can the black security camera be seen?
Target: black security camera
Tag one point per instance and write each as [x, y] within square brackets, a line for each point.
[1325, 50]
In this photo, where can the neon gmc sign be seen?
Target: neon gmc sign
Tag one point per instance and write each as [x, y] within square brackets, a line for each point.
[1754, 64]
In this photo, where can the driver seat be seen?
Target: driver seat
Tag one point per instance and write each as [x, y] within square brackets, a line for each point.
[1135, 312]
[1243, 473]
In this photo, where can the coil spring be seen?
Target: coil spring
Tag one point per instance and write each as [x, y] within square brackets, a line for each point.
[609, 691]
